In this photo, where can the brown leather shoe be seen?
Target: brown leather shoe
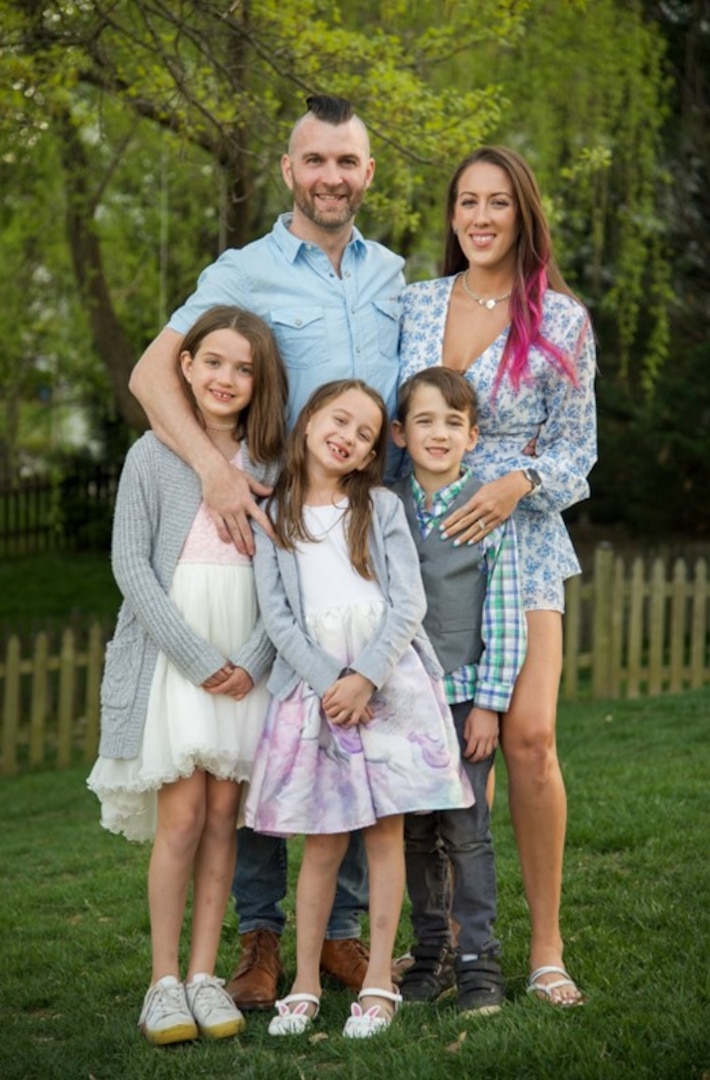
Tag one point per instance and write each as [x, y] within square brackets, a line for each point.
[345, 960]
[253, 984]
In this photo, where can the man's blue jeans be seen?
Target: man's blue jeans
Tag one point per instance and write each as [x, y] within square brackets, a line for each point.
[454, 844]
[260, 884]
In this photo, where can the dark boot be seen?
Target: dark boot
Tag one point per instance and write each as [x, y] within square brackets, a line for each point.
[480, 983]
[431, 975]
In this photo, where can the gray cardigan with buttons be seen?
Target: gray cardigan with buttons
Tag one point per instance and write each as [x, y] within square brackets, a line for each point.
[396, 566]
[157, 500]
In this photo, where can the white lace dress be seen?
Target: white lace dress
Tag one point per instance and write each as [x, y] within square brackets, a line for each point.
[186, 728]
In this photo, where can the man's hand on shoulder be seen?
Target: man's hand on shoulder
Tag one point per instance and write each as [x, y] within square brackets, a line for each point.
[230, 496]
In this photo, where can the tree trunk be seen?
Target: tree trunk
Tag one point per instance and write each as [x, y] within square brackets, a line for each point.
[237, 231]
[106, 330]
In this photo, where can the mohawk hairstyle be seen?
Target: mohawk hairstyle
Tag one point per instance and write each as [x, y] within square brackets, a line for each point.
[330, 109]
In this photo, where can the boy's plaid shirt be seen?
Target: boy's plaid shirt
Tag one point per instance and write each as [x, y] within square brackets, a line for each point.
[489, 683]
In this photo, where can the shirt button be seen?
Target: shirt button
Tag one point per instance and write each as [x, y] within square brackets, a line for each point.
[299, 322]
[346, 274]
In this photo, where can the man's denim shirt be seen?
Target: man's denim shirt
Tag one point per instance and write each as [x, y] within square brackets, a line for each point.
[327, 327]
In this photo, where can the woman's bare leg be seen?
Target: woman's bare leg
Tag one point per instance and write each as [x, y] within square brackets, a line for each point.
[538, 804]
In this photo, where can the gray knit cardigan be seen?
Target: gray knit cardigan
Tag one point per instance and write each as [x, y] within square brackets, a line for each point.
[158, 497]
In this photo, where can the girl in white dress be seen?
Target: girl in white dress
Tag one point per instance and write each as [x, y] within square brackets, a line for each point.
[183, 697]
[358, 731]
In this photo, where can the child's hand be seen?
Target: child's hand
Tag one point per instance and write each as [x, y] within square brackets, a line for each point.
[345, 703]
[481, 734]
[219, 677]
[236, 683]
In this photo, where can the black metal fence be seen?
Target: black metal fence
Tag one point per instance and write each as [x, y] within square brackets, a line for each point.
[73, 513]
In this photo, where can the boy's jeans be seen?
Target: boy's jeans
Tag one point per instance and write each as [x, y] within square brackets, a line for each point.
[260, 883]
[460, 841]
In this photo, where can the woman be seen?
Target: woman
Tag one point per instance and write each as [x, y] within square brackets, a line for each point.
[503, 316]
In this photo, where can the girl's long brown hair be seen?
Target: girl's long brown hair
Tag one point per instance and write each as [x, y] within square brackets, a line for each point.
[286, 503]
[263, 421]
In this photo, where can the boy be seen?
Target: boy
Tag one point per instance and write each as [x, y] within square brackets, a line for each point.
[476, 624]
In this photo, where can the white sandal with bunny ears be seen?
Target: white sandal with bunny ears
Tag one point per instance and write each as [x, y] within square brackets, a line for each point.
[294, 1021]
[362, 1023]
[545, 991]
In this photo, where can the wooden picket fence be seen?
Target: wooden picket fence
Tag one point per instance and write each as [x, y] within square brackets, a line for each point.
[629, 631]
[50, 696]
[633, 631]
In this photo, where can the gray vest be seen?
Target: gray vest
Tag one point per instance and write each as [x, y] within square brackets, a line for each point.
[453, 582]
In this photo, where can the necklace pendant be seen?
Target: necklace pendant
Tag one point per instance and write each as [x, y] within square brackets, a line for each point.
[488, 304]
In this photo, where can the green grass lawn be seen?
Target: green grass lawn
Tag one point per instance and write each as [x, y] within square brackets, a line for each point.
[76, 958]
[56, 584]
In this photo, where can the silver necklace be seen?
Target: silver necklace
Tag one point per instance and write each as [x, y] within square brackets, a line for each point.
[221, 427]
[489, 303]
[324, 532]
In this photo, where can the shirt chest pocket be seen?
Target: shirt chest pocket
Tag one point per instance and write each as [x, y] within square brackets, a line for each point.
[300, 335]
[387, 317]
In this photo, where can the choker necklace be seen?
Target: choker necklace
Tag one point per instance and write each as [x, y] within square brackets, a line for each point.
[221, 427]
[490, 303]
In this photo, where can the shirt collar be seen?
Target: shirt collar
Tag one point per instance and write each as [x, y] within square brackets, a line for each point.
[291, 245]
[444, 496]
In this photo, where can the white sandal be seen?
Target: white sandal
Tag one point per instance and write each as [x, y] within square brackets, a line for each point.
[294, 1021]
[548, 989]
[362, 1023]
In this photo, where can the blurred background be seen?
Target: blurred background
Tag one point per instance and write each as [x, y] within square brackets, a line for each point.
[138, 138]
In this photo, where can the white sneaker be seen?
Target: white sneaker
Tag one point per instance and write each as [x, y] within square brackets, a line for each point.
[165, 1017]
[215, 1013]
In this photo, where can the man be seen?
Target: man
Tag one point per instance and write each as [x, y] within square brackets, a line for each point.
[332, 301]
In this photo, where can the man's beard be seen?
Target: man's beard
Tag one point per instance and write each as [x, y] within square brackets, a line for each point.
[341, 214]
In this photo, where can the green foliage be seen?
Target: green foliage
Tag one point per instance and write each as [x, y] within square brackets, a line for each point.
[228, 81]
[183, 111]
[588, 100]
[40, 326]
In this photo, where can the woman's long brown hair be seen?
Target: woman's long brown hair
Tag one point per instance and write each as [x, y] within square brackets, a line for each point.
[286, 503]
[535, 269]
